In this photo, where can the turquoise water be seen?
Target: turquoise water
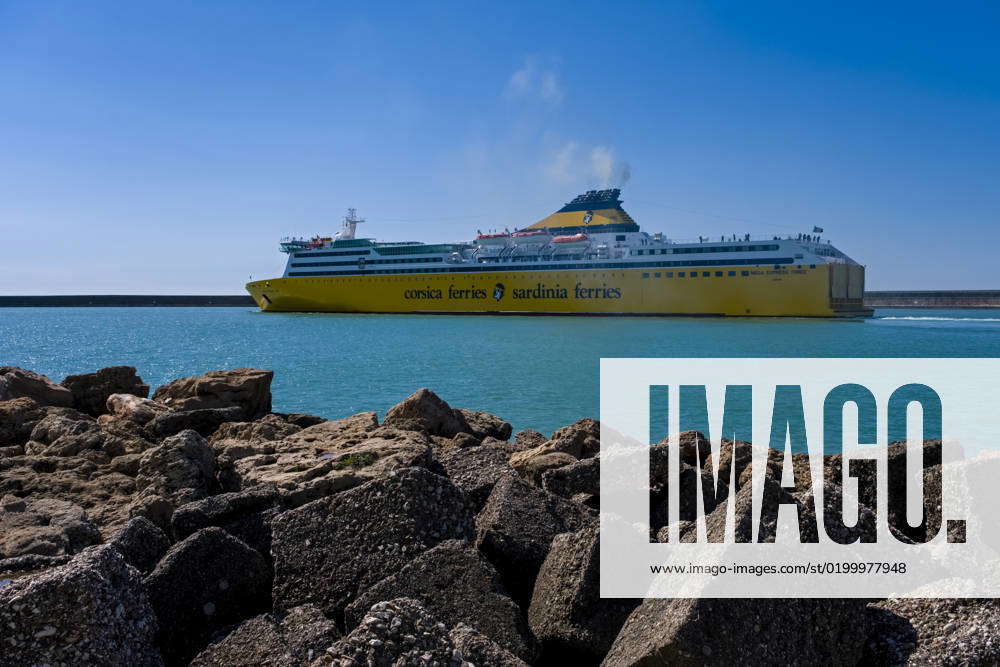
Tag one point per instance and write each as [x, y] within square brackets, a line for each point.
[536, 372]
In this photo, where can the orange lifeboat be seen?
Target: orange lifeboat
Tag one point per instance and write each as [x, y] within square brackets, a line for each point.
[492, 239]
[572, 241]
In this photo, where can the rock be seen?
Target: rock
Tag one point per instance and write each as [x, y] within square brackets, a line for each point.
[30, 563]
[567, 613]
[691, 442]
[266, 429]
[141, 543]
[715, 521]
[425, 411]
[328, 458]
[91, 390]
[934, 631]
[691, 503]
[61, 436]
[44, 527]
[516, 527]
[528, 439]
[295, 637]
[712, 631]
[93, 610]
[582, 438]
[331, 550]
[103, 493]
[579, 477]
[244, 515]
[20, 383]
[400, 633]
[534, 463]
[484, 425]
[135, 409]
[178, 471]
[204, 421]
[202, 584]
[455, 584]
[17, 419]
[475, 470]
[476, 649]
[303, 420]
[248, 388]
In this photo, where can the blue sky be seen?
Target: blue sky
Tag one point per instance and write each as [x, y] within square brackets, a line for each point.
[165, 147]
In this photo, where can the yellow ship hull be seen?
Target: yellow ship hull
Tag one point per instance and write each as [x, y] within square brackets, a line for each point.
[831, 290]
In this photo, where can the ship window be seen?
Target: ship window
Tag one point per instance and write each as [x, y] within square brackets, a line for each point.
[694, 274]
[620, 237]
[718, 274]
[744, 273]
[670, 274]
[812, 266]
[732, 273]
[645, 275]
[680, 274]
[656, 275]
[706, 274]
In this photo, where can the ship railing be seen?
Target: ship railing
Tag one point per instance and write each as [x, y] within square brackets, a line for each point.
[740, 238]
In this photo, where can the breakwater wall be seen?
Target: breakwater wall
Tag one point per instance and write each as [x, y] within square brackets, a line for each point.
[128, 300]
[934, 299]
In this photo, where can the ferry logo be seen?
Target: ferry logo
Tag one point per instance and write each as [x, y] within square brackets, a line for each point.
[498, 291]
[588, 217]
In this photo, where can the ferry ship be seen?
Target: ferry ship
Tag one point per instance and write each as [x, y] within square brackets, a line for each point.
[588, 258]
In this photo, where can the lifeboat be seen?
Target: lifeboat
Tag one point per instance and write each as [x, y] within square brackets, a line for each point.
[572, 241]
[492, 239]
[531, 238]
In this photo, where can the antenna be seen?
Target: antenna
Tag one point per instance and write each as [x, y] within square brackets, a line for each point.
[351, 221]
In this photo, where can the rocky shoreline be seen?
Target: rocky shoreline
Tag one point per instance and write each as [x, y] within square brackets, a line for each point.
[199, 527]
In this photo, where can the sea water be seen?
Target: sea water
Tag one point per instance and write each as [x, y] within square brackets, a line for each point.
[536, 372]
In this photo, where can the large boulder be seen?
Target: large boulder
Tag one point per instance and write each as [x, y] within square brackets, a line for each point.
[295, 637]
[99, 489]
[938, 631]
[63, 436]
[331, 550]
[455, 584]
[44, 527]
[567, 613]
[534, 463]
[580, 478]
[581, 438]
[141, 543]
[484, 425]
[516, 527]
[204, 583]
[20, 383]
[135, 409]
[244, 514]
[17, 419]
[475, 470]
[326, 459]
[178, 471]
[427, 412]
[247, 388]
[204, 421]
[91, 611]
[713, 631]
[401, 632]
[91, 390]
[266, 429]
